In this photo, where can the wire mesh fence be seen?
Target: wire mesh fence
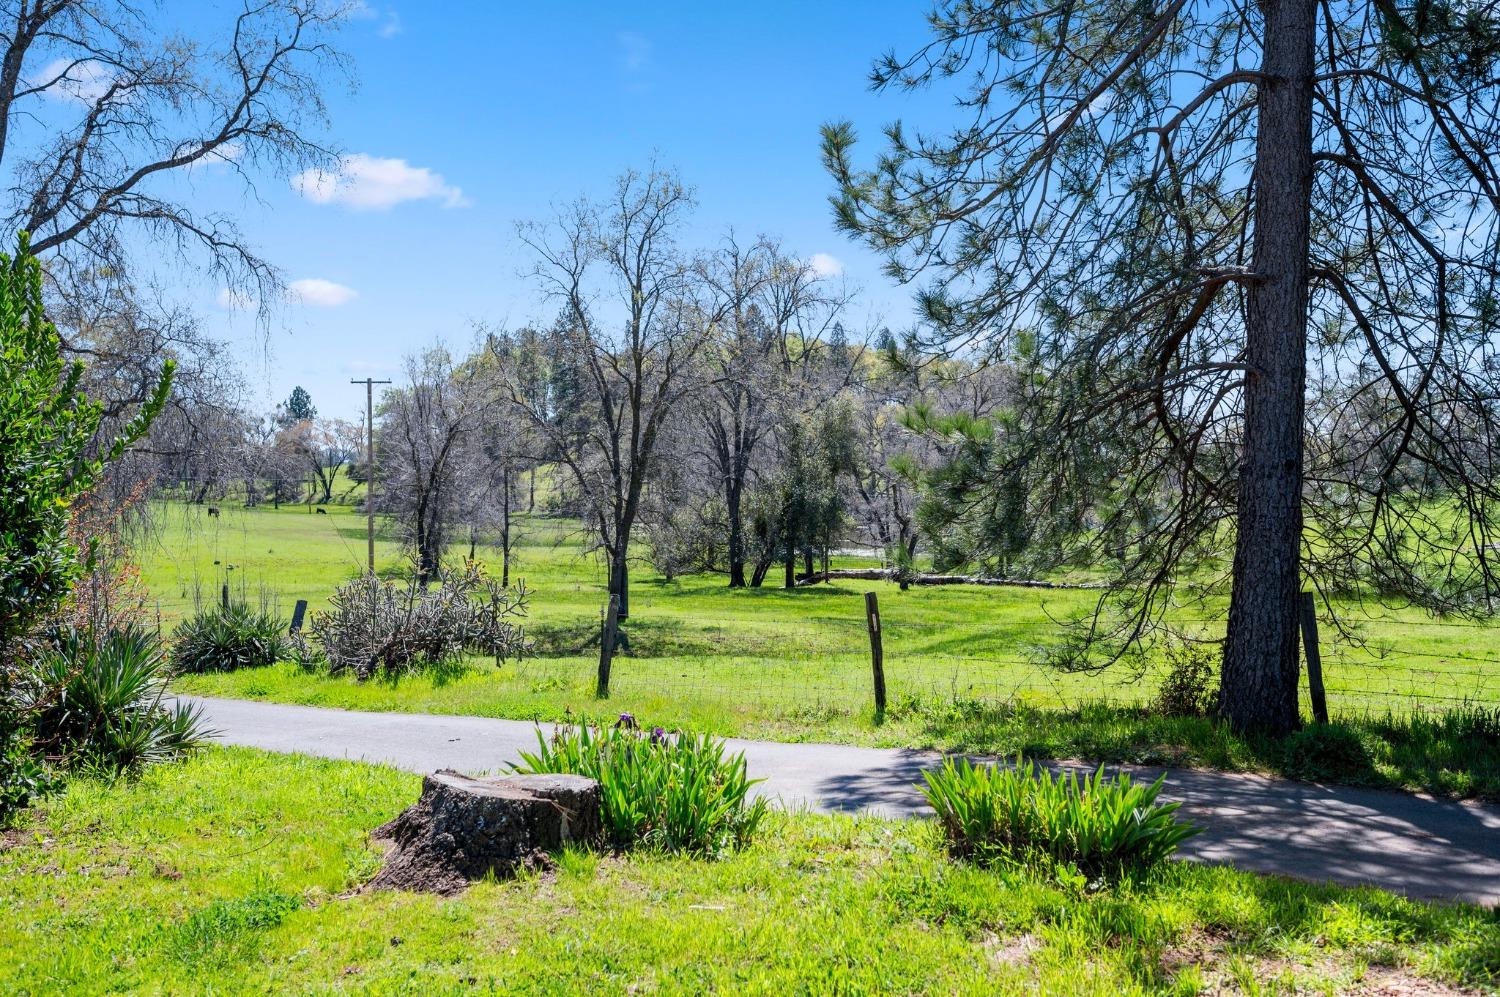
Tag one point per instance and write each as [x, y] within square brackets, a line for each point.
[824, 664]
[800, 654]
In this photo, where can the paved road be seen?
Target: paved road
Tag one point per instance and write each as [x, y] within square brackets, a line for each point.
[1410, 844]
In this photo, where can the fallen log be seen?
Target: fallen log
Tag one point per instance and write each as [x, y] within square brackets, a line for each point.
[886, 574]
[462, 829]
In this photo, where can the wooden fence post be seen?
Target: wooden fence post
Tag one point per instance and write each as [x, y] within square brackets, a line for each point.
[607, 645]
[1314, 659]
[877, 653]
[298, 612]
[224, 596]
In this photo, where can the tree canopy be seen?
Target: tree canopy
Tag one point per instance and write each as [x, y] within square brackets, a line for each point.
[1244, 259]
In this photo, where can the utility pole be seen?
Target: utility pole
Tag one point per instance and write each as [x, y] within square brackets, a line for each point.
[369, 384]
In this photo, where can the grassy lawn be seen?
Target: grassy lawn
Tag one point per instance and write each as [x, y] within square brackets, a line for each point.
[693, 638]
[795, 666]
[235, 871]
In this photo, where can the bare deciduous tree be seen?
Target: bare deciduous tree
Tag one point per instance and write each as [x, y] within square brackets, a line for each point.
[634, 317]
[759, 364]
[128, 104]
[321, 448]
[430, 439]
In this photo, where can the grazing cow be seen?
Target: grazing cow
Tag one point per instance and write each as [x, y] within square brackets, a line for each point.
[321, 511]
[213, 511]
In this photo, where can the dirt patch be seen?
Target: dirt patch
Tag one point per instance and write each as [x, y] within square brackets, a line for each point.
[1396, 983]
[1013, 951]
[1212, 954]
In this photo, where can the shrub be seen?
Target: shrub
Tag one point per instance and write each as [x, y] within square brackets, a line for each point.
[678, 793]
[687, 541]
[23, 776]
[1191, 687]
[96, 700]
[375, 625]
[53, 453]
[1327, 753]
[1094, 827]
[228, 638]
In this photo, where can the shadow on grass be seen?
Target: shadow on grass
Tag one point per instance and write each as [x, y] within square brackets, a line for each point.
[669, 638]
[1450, 754]
[771, 589]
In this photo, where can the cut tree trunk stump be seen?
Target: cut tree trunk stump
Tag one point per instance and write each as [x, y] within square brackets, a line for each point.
[462, 829]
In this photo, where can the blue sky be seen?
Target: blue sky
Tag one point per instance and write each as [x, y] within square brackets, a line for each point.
[468, 117]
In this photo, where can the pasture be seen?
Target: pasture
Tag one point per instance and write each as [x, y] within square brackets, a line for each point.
[961, 662]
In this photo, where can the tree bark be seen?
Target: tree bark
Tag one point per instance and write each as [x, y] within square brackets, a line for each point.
[1259, 681]
[736, 540]
[505, 527]
[619, 581]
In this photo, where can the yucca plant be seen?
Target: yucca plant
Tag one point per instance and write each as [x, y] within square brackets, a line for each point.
[1096, 826]
[97, 700]
[228, 638]
[678, 793]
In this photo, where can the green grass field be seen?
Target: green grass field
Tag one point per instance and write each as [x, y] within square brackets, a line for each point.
[960, 666]
[237, 871]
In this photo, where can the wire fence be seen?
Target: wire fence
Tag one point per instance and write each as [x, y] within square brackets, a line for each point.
[825, 665]
[799, 663]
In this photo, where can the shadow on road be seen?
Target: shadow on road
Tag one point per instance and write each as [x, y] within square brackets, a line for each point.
[1422, 847]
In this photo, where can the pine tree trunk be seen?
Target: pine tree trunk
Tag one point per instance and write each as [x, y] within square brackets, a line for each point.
[1259, 683]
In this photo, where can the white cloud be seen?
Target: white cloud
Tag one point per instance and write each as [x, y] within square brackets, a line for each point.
[320, 293]
[234, 301]
[84, 81]
[826, 264]
[370, 183]
[389, 18]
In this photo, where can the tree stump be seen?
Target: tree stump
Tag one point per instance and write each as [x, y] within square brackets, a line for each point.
[463, 828]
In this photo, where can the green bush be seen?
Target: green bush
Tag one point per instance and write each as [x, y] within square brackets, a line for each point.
[23, 776]
[228, 638]
[53, 451]
[97, 702]
[678, 793]
[1094, 827]
[1327, 753]
[1191, 685]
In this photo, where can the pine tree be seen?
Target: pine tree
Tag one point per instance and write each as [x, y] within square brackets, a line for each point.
[1246, 260]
